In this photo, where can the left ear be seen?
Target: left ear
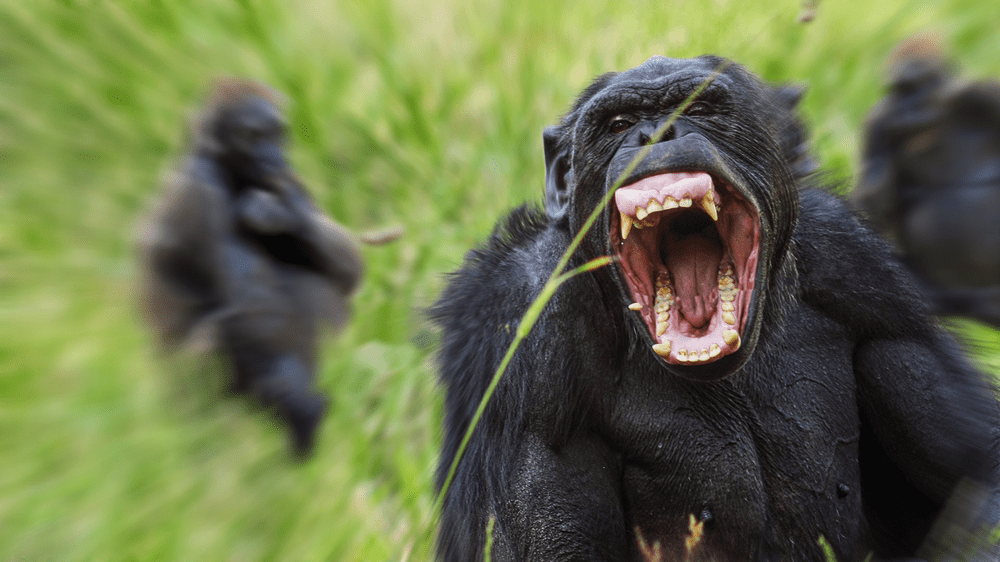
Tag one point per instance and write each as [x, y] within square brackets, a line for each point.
[794, 136]
[789, 95]
[557, 168]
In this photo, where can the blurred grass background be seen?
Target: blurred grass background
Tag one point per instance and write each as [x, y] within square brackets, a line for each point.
[424, 113]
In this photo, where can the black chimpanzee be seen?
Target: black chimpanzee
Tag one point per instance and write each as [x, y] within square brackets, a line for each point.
[931, 178]
[237, 250]
[755, 371]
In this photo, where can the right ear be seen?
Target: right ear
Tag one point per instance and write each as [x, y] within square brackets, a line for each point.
[557, 168]
[789, 95]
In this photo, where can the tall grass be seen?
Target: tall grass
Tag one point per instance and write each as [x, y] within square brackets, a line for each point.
[422, 113]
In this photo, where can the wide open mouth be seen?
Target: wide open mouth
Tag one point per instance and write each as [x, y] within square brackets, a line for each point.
[688, 245]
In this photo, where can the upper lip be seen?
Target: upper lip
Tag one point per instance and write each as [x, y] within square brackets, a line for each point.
[641, 199]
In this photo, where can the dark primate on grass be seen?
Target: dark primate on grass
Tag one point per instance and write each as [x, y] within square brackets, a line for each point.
[930, 180]
[755, 371]
[237, 254]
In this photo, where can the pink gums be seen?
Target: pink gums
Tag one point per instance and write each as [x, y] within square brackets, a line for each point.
[692, 269]
[677, 185]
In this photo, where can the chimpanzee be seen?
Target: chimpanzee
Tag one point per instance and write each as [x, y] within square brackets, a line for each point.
[237, 250]
[754, 372]
[931, 178]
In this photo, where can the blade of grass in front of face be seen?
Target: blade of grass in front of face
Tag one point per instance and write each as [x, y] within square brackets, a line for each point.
[557, 278]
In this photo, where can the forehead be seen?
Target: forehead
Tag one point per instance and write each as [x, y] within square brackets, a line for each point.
[657, 83]
[663, 69]
[672, 77]
[255, 111]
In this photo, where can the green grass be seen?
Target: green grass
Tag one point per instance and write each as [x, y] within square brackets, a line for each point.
[423, 113]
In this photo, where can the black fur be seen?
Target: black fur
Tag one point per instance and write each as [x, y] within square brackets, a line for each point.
[852, 418]
[237, 255]
[930, 179]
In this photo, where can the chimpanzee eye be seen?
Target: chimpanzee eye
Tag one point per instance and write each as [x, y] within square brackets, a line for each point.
[621, 123]
[698, 108]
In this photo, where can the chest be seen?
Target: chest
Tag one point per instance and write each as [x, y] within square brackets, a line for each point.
[760, 463]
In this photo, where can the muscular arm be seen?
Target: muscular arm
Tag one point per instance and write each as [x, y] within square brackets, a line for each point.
[337, 253]
[927, 415]
[264, 212]
[934, 419]
[285, 209]
[182, 252]
[533, 463]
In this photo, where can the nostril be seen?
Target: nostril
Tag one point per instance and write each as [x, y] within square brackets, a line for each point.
[668, 135]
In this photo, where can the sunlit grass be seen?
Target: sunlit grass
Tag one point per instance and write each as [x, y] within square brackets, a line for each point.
[422, 113]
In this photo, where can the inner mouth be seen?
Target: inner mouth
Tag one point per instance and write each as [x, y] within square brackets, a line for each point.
[688, 245]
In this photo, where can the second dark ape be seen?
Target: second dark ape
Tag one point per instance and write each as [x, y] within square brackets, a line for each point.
[930, 179]
[236, 251]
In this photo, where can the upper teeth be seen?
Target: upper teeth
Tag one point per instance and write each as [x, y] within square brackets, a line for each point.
[707, 203]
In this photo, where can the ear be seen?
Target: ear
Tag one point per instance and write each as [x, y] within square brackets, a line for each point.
[557, 167]
[794, 136]
[789, 95]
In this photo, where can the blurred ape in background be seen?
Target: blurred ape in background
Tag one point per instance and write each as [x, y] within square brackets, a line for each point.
[930, 178]
[237, 257]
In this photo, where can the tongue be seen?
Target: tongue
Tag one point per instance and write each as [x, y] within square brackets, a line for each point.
[694, 265]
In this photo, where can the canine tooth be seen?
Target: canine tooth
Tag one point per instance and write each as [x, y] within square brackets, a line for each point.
[635, 306]
[669, 203]
[626, 225]
[703, 356]
[708, 203]
[714, 350]
[728, 306]
[732, 338]
[640, 213]
[682, 355]
[662, 349]
[728, 318]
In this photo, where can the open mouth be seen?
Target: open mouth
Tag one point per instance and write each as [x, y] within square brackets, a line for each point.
[688, 245]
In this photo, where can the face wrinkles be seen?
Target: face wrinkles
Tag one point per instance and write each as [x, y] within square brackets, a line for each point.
[700, 223]
[649, 101]
[687, 230]
[630, 93]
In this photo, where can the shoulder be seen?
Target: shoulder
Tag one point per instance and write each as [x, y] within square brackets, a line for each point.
[499, 278]
[851, 273]
[979, 100]
[196, 183]
[479, 310]
[877, 116]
